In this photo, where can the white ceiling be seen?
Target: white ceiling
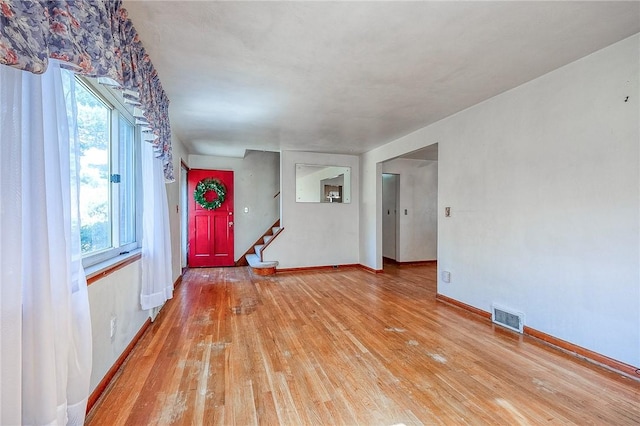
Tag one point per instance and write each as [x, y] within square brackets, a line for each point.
[346, 77]
[427, 153]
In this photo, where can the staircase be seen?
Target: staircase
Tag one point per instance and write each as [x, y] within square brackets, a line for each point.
[255, 259]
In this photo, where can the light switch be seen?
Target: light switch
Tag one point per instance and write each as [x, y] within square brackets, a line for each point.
[246, 209]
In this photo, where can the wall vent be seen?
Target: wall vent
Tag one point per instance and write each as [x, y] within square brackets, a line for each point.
[507, 318]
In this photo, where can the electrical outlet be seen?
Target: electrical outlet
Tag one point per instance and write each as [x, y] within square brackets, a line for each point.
[113, 327]
[446, 276]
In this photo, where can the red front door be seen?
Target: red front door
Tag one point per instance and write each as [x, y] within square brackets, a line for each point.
[210, 231]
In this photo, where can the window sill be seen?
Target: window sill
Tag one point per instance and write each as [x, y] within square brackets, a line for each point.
[98, 271]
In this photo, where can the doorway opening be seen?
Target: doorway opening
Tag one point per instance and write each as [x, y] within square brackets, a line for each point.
[410, 208]
[390, 185]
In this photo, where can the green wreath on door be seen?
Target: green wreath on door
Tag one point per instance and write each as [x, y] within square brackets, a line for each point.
[206, 185]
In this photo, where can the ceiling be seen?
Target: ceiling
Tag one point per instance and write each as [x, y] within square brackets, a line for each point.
[427, 153]
[346, 77]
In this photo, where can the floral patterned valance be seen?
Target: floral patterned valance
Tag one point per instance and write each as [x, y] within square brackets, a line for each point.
[95, 38]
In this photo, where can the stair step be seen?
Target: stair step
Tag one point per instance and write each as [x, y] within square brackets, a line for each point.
[275, 230]
[257, 248]
[254, 262]
[267, 238]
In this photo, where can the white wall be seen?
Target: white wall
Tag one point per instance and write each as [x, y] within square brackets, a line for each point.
[315, 234]
[418, 228]
[256, 181]
[174, 205]
[370, 224]
[544, 186]
[184, 216]
[117, 295]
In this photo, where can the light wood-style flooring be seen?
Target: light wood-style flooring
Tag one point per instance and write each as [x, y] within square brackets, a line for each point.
[347, 347]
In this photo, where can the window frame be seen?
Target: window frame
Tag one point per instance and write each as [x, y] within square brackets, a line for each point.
[119, 110]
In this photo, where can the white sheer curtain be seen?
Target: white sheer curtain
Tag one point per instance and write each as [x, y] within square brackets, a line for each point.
[157, 286]
[40, 237]
[10, 246]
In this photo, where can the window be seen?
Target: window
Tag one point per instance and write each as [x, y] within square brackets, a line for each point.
[109, 164]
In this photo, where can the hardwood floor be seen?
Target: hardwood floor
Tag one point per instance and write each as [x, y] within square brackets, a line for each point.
[347, 347]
